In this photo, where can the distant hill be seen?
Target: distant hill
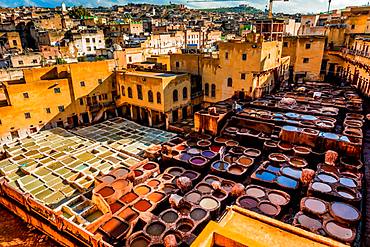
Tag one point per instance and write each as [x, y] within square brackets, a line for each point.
[238, 9]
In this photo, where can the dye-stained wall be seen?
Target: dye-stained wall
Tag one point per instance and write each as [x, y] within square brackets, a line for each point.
[62, 95]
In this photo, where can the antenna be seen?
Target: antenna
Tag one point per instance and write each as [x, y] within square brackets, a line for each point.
[329, 6]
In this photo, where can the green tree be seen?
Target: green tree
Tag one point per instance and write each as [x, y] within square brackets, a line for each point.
[78, 12]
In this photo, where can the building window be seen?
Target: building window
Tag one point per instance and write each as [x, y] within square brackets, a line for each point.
[105, 96]
[285, 44]
[308, 46]
[306, 60]
[184, 93]
[0, 122]
[244, 57]
[129, 92]
[15, 42]
[242, 76]
[48, 110]
[353, 26]
[226, 55]
[34, 61]
[130, 59]
[25, 95]
[88, 48]
[20, 62]
[206, 89]
[229, 82]
[159, 99]
[87, 40]
[213, 90]
[123, 91]
[82, 83]
[27, 115]
[177, 64]
[56, 90]
[81, 101]
[61, 108]
[150, 96]
[175, 95]
[93, 40]
[139, 92]
[100, 81]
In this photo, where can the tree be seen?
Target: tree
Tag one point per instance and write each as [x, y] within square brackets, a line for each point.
[78, 12]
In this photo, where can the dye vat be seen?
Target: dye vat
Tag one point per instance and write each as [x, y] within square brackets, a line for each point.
[156, 197]
[204, 188]
[255, 192]
[291, 172]
[321, 187]
[142, 190]
[208, 154]
[269, 208]
[142, 205]
[198, 161]
[209, 203]
[315, 206]
[278, 198]
[106, 192]
[236, 169]
[155, 228]
[185, 225]
[139, 241]
[339, 232]
[198, 214]
[129, 197]
[247, 202]
[287, 182]
[115, 228]
[265, 176]
[245, 161]
[327, 178]
[344, 212]
[169, 216]
[193, 197]
[309, 223]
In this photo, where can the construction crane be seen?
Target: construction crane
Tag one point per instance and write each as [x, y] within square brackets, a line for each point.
[269, 5]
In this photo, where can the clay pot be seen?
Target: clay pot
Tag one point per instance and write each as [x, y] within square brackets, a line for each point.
[301, 151]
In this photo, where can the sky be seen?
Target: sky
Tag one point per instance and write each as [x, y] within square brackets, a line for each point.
[293, 6]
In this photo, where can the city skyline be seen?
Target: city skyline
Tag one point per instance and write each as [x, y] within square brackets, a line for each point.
[301, 6]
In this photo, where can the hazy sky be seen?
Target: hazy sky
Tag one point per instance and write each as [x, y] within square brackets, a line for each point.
[292, 6]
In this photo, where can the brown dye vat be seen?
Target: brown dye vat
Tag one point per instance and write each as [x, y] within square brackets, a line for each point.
[301, 151]
[309, 223]
[252, 152]
[298, 162]
[115, 228]
[149, 166]
[204, 143]
[315, 206]
[169, 188]
[277, 198]
[215, 148]
[106, 192]
[128, 214]
[155, 228]
[142, 205]
[156, 196]
[321, 187]
[193, 197]
[231, 143]
[142, 190]
[221, 140]
[236, 169]
[269, 145]
[129, 197]
[245, 161]
[209, 203]
[339, 232]
[114, 207]
[268, 208]
[230, 159]
[255, 192]
[154, 183]
[237, 150]
[198, 214]
[185, 225]
[351, 163]
[190, 174]
[169, 216]
[277, 158]
[107, 179]
[167, 177]
[247, 202]
[204, 188]
[285, 147]
[140, 241]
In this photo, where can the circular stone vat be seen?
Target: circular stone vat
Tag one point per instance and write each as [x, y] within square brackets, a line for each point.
[268, 208]
[155, 228]
[142, 190]
[184, 157]
[339, 232]
[226, 185]
[169, 216]
[211, 179]
[175, 171]
[298, 162]
[252, 152]
[193, 197]
[208, 154]
[348, 182]
[139, 241]
[276, 157]
[106, 192]
[278, 198]
[154, 183]
[237, 150]
[156, 197]
[321, 187]
[220, 165]
[245, 161]
[138, 173]
[315, 205]
[185, 225]
[346, 193]
[169, 188]
[231, 143]
[209, 203]
[142, 205]
[198, 161]
[204, 188]
[255, 192]
[327, 178]
[150, 166]
[198, 214]
[236, 169]
[193, 151]
[220, 139]
[190, 174]
[291, 172]
[345, 212]
[219, 194]
[120, 172]
[204, 143]
[108, 179]
[247, 202]
[309, 223]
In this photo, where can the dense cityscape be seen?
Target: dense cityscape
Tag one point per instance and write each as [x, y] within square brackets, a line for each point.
[163, 125]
